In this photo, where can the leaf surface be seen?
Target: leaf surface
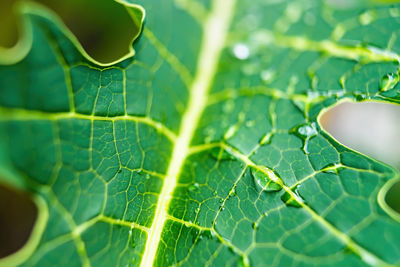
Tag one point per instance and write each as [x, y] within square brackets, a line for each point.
[203, 146]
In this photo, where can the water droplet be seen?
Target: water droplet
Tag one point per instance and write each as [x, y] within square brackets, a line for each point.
[266, 179]
[206, 235]
[213, 232]
[132, 242]
[311, 95]
[332, 168]
[394, 12]
[228, 106]
[193, 187]
[139, 171]
[241, 51]
[366, 18]
[305, 130]
[266, 139]
[250, 124]
[209, 134]
[119, 170]
[147, 176]
[360, 97]
[330, 171]
[267, 75]
[230, 132]
[389, 81]
[292, 199]
[232, 193]
[254, 225]
[221, 200]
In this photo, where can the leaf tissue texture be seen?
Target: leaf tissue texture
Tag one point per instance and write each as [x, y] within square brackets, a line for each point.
[202, 147]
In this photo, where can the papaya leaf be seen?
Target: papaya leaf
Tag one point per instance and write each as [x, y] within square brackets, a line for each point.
[202, 146]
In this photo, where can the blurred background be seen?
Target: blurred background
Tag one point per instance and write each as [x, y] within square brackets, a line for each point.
[106, 32]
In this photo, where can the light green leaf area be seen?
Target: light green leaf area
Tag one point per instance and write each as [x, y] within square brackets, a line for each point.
[202, 147]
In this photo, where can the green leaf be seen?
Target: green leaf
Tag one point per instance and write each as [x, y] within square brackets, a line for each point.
[202, 147]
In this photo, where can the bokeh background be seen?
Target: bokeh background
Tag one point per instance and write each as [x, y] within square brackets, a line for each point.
[105, 31]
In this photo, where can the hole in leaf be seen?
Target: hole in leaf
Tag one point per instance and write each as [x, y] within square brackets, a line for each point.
[393, 197]
[105, 32]
[17, 217]
[8, 25]
[371, 128]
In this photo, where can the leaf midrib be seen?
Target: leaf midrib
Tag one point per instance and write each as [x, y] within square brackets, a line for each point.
[215, 30]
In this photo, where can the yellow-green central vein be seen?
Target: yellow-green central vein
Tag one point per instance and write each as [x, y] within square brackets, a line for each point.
[215, 30]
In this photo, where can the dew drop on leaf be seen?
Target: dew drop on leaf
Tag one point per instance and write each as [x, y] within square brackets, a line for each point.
[266, 139]
[205, 235]
[228, 106]
[230, 132]
[389, 81]
[193, 187]
[241, 51]
[209, 134]
[266, 180]
[232, 193]
[366, 18]
[306, 130]
[250, 124]
[267, 75]
[293, 200]
[132, 241]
